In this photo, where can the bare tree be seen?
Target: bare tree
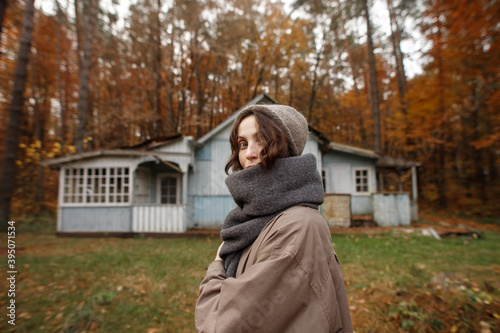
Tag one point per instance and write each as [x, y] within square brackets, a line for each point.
[374, 101]
[7, 180]
[83, 102]
[398, 55]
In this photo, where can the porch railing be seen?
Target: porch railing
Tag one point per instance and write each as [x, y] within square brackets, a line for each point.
[158, 218]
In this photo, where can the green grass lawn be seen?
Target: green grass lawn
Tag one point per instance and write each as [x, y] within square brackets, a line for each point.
[151, 285]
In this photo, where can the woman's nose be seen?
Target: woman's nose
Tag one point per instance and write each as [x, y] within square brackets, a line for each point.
[252, 151]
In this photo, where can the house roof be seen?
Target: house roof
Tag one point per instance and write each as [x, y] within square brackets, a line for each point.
[260, 99]
[391, 162]
[147, 148]
[154, 142]
[92, 154]
[353, 150]
[383, 161]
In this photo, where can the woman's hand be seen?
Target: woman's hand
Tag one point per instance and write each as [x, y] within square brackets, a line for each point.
[217, 257]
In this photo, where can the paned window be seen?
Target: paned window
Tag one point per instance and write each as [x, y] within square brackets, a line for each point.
[169, 189]
[361, 179]
[96, 185]
[74, 185]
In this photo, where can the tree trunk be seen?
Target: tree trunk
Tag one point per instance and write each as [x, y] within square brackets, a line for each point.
[350, 59]
[312, 97]
[440, 172]
[83, 102]
[479, 163]
[172, 121]
[60, 90]
[3, 7]
[39, 126]
[7, 180]
[398, 56]
[199, 95]
[374, 101]
[160, 130]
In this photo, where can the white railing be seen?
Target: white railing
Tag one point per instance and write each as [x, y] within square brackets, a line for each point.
[158, 218]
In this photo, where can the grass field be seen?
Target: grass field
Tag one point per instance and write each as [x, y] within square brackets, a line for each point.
[151, 285]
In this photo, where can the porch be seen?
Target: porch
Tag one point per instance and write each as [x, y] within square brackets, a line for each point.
[159, 218]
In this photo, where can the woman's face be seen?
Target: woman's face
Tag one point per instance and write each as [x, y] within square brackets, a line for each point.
[248, 143]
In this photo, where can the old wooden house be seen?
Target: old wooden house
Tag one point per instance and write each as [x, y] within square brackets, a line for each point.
[170, 185]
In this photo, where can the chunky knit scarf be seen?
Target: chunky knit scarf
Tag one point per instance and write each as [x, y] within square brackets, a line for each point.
[260, 196]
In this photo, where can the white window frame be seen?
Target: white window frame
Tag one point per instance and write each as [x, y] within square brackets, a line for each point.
[368, 180]
[77, 178]
[177, 184]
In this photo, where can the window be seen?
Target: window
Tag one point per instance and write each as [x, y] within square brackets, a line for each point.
[168, 189]
[142, 185]
[96, 185]
[118, 185]
[73, 185]
[361, 180]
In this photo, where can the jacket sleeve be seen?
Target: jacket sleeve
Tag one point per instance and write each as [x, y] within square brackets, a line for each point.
[263, 299]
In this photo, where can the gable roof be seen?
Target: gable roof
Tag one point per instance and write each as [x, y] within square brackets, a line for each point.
[353, 150]
[260, 99]
[154, 142]
[392, 162]
[147, 148]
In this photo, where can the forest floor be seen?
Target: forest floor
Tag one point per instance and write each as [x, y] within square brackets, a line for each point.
[397, 281]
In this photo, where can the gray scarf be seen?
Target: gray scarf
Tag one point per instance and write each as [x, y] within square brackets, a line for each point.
[261, 195]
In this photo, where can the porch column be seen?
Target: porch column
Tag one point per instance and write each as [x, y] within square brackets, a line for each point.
[414, 194]
[185, 188]
[400, 182]
[60, 198]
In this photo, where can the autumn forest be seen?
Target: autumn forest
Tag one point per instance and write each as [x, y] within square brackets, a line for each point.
[80, 75]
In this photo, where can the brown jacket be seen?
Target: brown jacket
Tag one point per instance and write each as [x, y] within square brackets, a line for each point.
[288, 280]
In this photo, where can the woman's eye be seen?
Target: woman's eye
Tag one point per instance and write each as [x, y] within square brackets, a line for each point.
[243, 144]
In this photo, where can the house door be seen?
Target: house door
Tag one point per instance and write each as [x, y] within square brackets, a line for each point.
[169, 189]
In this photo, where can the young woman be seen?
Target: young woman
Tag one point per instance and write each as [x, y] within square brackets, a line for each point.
[276, 270]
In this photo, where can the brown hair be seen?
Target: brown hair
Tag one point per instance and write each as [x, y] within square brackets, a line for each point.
[270, 134]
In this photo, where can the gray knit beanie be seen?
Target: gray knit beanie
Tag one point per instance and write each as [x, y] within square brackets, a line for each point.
[292, 121]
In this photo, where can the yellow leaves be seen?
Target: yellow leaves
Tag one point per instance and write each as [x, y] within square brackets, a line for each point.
[35, 152]
[71, 149]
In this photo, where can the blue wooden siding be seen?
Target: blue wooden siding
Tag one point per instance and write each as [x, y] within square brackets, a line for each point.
[391, 209]
[204, 153]
[361, 205]
[210, 211]
[96, 219]
[208, 177]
